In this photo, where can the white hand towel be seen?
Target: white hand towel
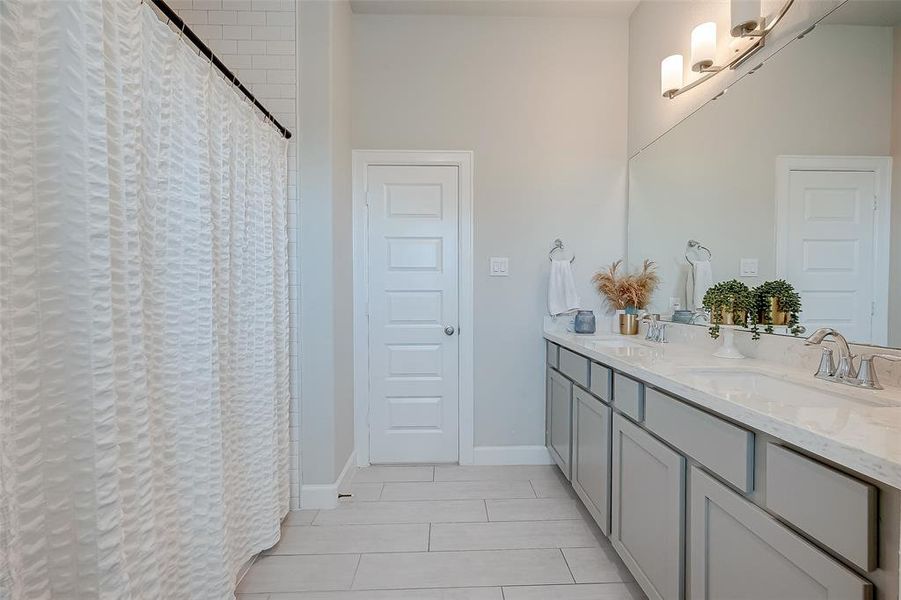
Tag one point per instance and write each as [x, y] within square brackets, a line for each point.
[690, 287]
[699, 280]
[561, 293]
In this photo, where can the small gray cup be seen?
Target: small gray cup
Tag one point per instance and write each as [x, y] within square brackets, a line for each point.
[584, 322]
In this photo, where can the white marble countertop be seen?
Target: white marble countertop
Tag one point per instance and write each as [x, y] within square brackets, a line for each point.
[858, 429]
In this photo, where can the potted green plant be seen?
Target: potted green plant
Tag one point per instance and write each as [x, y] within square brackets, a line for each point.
[730, 303]
[776, 304]
[628, 292]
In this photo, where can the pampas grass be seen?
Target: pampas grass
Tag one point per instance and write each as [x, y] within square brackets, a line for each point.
[631, 290]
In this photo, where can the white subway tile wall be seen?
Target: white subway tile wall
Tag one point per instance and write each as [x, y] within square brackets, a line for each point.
[256, 40]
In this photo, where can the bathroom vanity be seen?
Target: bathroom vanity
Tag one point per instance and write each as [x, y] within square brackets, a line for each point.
[719, 479]
[728, 480]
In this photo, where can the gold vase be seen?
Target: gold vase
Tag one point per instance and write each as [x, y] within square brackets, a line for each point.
[777, 315]
[628, 324]
[738, 316]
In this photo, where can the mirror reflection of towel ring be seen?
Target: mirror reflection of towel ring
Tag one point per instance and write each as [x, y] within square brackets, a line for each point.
[558, 245]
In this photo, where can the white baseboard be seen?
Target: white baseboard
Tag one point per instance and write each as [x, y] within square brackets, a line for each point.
[324, 496]
[512, 455]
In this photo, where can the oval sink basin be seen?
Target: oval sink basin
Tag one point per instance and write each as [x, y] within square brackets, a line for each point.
[612, 343]
[750, 385]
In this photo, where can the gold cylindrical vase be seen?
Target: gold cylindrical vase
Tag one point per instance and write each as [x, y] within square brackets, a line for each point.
[737, 316]
[777, 315]
[628, 324]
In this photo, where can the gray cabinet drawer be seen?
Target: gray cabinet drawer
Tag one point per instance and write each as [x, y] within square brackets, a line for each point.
[738, 552]
[574, 366]
[834, 508]
[552, 353]
[601, 382]
[628, 396]
[722, 447]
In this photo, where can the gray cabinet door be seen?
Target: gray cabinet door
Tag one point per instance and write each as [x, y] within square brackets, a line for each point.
[560, 420]
[738, 552]
[591, 455]
[648, 509]
[547, 406]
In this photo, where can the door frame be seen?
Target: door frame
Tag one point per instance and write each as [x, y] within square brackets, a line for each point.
[362, 160]
[881, 167]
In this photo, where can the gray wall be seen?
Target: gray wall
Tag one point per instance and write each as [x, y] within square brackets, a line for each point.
[894, 306]
[542, 103]
[325, 241]
[342, 226]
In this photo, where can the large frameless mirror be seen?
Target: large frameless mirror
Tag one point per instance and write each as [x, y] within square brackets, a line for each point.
[784, 184]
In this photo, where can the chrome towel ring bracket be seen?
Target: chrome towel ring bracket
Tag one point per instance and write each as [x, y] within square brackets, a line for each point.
[695, 247]
[558, 246]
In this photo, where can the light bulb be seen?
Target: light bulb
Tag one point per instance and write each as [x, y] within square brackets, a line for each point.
[703, 46]
[670, 75]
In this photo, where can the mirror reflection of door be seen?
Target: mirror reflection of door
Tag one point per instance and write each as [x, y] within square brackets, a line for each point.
[828, 246]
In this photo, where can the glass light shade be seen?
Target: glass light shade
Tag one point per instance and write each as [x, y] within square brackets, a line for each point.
[670, 74]
[745, 16]
[703, 46]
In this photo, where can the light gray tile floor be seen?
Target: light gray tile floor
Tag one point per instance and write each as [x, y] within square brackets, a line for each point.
[444, 533]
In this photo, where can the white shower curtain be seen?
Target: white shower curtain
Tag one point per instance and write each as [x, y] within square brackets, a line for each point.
[143, 311]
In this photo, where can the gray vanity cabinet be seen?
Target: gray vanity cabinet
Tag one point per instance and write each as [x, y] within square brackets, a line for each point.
[738, 552]
[592, 422]
[559, 416]
[648, 510]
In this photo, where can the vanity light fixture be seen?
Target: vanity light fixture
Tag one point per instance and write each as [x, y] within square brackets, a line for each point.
[749, 31]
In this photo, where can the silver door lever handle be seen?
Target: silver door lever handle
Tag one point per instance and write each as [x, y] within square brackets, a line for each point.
[449, 330]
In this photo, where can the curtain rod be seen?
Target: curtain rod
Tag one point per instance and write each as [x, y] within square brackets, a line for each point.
[205, 50]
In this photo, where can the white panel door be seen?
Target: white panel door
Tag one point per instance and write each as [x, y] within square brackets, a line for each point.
[830, 245]
[413, 313]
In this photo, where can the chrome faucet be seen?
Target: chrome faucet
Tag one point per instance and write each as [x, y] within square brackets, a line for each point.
[656, 330]
[845, 372]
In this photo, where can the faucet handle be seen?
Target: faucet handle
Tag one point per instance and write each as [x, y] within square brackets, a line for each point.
[826, 370]
[866, 377]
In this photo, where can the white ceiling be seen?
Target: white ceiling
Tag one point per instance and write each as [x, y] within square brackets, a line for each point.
[498, 8]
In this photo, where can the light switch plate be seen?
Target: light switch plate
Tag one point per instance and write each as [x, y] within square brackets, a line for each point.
[499, 266]
[749, 267]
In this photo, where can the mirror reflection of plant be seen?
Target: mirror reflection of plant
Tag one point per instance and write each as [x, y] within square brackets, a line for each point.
[630, 291]
[789, 302]
[730, 297]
